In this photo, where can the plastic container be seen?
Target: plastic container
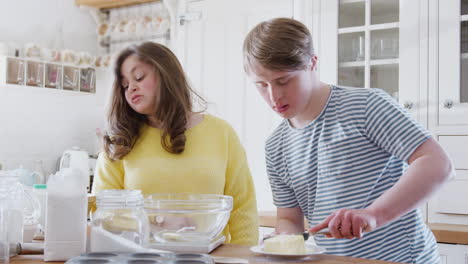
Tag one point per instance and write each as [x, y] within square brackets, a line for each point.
[147, 258]
[119, 214]
[66, 220]
[187, 218]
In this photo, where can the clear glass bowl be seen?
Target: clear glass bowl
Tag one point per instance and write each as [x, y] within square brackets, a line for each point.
[187, 218]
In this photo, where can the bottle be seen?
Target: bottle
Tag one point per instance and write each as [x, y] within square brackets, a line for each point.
[120, 223]
[31, 213]
[40, 191]
[39, 172]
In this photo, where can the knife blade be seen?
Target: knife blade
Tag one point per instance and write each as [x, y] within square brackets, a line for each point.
[307, 234]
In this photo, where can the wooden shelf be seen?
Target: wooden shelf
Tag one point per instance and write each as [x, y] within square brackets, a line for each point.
[103, 4]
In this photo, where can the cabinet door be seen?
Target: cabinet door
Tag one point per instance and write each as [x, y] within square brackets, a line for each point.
[360, 44]
[210, 48]
[449, 205]
[450, 254]
[453, 62]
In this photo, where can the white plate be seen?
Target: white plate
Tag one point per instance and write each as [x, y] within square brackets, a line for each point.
[310, 250]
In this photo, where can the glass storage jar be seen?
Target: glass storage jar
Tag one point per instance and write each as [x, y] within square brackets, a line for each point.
[12, 192]
[119, 218]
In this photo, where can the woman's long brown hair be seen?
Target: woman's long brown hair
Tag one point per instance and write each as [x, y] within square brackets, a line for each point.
[173, 109]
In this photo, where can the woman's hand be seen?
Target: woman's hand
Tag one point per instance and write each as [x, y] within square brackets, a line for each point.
[348, 223]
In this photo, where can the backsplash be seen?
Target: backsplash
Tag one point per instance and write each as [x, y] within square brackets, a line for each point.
[39, 123]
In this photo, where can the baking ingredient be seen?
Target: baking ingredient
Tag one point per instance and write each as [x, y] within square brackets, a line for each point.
[285, 244]
[172, 236]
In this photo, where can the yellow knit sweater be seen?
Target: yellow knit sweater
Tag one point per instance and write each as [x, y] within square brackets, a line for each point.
[213, 162]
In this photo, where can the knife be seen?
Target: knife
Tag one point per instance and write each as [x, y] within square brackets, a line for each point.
[307, 234]
[324, 232]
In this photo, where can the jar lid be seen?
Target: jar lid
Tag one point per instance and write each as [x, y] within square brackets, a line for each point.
[119, 198]
[40, 186]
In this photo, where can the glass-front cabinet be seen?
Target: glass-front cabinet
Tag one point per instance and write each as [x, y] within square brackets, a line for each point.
[448, 104]
[417, 51]
[368, 44]
[366, 36]
[453, 61]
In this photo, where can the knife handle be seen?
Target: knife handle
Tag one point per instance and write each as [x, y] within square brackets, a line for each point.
[324, 232]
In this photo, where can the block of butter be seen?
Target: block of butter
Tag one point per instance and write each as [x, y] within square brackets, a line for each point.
[285, 244]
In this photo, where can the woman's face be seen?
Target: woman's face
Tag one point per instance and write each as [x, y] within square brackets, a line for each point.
[286, 92]
[141, 84]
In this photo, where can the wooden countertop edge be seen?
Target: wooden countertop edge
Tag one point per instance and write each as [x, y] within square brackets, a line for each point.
[444, 233]
[238, 251]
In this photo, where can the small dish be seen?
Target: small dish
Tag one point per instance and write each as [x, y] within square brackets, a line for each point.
[310, 250]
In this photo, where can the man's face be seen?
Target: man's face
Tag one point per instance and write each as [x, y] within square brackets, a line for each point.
[286, 92]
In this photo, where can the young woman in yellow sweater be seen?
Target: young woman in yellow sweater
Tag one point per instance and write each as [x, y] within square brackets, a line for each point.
[157, 143]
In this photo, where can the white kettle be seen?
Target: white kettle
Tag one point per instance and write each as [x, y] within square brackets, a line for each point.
[76, 158]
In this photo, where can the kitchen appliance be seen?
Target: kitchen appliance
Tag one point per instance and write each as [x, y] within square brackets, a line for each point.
[79, 159]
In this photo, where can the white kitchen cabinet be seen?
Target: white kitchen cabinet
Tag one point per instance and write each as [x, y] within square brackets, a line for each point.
[359, 45]
[452, 98]
[453, 254]
[210, 34]
[448, 103]
[426, 71]
[375, 44]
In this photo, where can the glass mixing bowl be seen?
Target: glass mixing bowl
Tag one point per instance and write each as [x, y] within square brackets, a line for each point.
[187, 218]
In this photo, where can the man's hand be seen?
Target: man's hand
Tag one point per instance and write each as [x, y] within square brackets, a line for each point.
[348, 223]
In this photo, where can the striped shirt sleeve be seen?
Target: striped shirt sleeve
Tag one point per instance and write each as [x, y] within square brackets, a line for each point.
[391, 127]
[283, 194]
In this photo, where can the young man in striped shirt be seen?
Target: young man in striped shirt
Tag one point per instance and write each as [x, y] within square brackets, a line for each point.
[348, 159]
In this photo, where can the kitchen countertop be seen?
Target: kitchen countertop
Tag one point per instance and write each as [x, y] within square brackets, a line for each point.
[453, 234]
[444, 233]
[238, 251]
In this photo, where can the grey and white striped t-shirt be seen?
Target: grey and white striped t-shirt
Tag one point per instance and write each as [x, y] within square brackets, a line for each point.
[353, 152]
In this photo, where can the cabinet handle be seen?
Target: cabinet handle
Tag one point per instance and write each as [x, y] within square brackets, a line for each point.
[408, 105]
[448, 103]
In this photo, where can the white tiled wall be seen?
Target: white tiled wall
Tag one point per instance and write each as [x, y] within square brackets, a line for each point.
[40, 123]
